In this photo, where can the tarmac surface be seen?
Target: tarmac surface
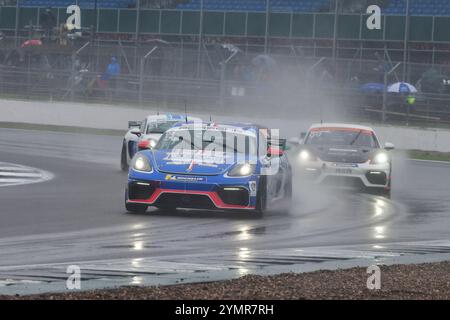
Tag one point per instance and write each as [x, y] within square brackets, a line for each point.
[76, 216]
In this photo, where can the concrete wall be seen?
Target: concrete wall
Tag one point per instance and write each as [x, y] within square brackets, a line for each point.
[415, 138]
[116, 117]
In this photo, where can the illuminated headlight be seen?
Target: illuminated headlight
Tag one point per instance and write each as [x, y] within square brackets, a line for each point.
[141, 163]
[380, 158]
[242, 170]
[306, 156]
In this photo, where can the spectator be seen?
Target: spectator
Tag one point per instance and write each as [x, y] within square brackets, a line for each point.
[48, 21]
[112, 71]
[111, 74]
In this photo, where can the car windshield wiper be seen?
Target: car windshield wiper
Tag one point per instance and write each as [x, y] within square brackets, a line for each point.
[356, 138]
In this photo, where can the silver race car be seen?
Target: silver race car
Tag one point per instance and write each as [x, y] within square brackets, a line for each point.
[345, 155]
[145, 134]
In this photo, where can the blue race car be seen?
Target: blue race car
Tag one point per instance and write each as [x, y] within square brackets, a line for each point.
[211, 166]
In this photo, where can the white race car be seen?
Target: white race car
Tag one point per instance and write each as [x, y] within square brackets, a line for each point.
[345, 155]
[145, 134]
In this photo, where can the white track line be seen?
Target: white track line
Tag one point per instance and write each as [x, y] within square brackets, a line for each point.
[10, 168]
[431, 161]
[14, 174]
[20, 174]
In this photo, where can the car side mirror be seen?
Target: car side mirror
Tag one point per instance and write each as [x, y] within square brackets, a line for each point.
[389, 146]
[136, 131]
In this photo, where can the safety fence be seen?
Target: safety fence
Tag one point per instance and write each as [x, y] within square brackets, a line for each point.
[225, 78]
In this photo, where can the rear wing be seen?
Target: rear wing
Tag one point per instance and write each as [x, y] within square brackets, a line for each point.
[134, 124]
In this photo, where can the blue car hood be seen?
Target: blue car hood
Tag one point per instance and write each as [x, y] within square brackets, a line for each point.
[197, 162]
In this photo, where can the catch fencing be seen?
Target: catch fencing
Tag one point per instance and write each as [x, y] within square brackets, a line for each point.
[237, 77]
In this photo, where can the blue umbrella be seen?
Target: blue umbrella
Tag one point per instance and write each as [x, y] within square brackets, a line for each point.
[402, 87]
[372, 87]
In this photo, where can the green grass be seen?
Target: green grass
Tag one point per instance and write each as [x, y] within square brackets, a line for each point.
[429, 155]
[56, 128]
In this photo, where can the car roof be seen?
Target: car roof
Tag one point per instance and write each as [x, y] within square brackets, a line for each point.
[340, 125]
[170, 117]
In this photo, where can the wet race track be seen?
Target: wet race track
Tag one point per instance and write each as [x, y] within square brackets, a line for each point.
[76, 216]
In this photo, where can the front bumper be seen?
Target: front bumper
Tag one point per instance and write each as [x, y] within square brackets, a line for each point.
[211, 192]
[347, 174]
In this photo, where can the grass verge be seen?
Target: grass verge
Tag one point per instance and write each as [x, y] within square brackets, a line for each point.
[429, 155]
[57, 128]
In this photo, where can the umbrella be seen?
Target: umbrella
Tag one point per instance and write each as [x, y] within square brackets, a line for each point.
[372, 87]
[230, 47]
[228, 51]
[159, 41]
[31, 43]
[402, 87]
[264, 61]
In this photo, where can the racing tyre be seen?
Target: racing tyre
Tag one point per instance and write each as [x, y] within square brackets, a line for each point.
[387, 192]
[123, 157]
[287, 201]
[136, 207]
[261, 197]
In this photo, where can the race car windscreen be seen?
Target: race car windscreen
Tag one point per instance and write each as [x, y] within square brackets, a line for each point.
[342, 137]
[208, 140]
[160, 126]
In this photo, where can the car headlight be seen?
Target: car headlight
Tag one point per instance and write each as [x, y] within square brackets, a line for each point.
[380, 158]
[141, 163]
[242, 170]
[306, 155]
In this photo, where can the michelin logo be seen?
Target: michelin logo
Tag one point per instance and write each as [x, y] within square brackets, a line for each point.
[170, 177]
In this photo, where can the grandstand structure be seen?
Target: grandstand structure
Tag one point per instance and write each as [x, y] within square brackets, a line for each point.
[428, 20]
[177, 42]
[425, 7]
[392, 7]
[413, 31]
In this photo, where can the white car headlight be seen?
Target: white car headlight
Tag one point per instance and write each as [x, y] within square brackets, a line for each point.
[380, 158]
[141, 163]
[306, 156]
[242, 170]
